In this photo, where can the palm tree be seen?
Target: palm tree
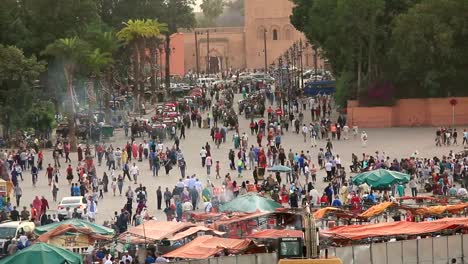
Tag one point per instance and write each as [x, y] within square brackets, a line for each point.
[98, 63]
[135, 33]
[108, 45]
[69, 51]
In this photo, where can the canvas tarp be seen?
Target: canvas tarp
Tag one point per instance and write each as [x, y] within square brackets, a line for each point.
[154, 231]
[68, 228]
[99, 229]
[377, 209]
[237, 217]
[440, 209]
[193, 230]
[41, 253]
[357, 232]
[206, 246]
[277, 233]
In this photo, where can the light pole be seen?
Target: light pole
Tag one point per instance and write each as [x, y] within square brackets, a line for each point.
[265, 49]
[196, 53]
[315, 63]
[207, 51]
[302, 67]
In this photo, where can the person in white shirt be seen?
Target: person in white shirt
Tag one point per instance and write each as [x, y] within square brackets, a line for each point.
[126, 257]
[345, 132]
[338, 161]
[304, 132]
[314, 197]
[134, 171]
[461, 192]
[203, 156]
[364, 138]
[328, 169]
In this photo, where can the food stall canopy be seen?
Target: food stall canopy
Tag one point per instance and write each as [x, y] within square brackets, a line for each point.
[77, 223]
[41, 253]
[193, 230]
[68, 228]
[240, 217]
[205, 216]
[277, 233]
[377, 209]
[358, 232]
[206, 246]
[381, 178]
[250, 202]
[279, 168]
[155, 230]
[440, 209]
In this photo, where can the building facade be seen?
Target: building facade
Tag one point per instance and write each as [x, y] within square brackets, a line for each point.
[266, 24]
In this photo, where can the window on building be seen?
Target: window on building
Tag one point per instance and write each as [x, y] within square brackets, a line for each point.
[287, 34]
[260, 32]
[275, 34]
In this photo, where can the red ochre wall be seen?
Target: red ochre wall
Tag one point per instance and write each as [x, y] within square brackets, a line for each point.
[410, 112]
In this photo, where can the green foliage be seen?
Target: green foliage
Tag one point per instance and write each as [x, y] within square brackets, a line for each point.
[420, 46]
[343, 84]
[212, 9]
[135, 30]
[17, 93]
[41, 116]
[429, 44]
[48, 20]
[14, 66]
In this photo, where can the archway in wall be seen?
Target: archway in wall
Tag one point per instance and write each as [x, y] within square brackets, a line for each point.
[216, 61]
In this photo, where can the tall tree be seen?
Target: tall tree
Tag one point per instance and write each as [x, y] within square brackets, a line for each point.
[17, 76]
[70, 52]
[429, 44]
[176, 14]
[49, 20]
[212, 9]
[353, 35]
[135, 34]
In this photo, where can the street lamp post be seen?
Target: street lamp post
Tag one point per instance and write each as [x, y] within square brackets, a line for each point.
[208, 52]
[280, 67]
[288, 62]
[196, 54]
[265, 49]
[302, 66]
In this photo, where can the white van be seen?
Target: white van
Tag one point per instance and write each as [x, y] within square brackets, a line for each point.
[12, 230]
[208, 82]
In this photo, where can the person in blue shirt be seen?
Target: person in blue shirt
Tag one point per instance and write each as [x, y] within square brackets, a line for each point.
[371, 197]
[336, 202]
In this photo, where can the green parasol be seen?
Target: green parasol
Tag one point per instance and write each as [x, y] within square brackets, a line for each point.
[98, 229]
[381, 178]
[249, 203]
[42, 253]
[279, 168]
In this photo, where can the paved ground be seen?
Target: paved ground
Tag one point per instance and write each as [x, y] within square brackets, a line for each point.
[396, 142]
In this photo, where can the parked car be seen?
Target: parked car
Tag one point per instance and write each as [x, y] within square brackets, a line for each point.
[71, 202]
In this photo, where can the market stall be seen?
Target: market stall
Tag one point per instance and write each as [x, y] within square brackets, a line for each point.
[75, 235]
[250, 202]
[207, 246]
[42, 253]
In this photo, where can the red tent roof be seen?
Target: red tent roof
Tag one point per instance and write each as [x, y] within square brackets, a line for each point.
[206, 246]
[275, 233]
[357, 232]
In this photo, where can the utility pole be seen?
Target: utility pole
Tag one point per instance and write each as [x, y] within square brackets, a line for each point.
[315, 63]
[302, 66]
[265, 49]
[196, 55]
[208, 52]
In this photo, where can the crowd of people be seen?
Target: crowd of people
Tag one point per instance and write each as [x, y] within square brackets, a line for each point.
[318, 163]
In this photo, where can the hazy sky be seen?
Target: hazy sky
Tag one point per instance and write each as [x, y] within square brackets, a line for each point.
[197, 7]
